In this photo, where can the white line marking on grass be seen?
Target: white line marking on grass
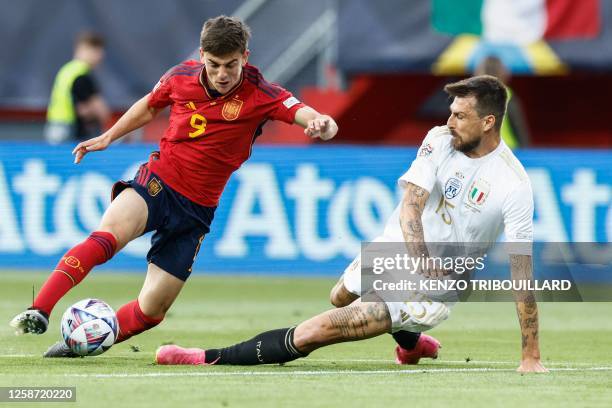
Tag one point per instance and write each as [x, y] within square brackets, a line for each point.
[316, 373]
[576, 364]
[439, 361]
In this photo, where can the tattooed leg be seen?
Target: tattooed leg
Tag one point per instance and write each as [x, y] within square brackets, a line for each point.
[357, 321]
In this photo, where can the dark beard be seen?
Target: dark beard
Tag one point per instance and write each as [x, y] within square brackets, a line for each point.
[466, 147]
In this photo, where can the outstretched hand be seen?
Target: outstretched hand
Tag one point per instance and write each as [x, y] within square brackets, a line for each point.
[90, 145]
[323, 127]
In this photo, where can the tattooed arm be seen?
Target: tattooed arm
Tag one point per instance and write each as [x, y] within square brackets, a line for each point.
[411, 212]
[413, 204]
[527, 310]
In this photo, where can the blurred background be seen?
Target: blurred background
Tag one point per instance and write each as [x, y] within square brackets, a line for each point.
[377, 67]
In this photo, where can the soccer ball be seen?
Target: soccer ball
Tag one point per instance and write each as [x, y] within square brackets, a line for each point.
[89, 327]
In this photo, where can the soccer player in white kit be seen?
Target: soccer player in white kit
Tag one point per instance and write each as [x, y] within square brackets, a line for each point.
[465, 185]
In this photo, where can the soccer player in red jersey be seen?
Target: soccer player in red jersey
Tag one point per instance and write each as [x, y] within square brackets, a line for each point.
[218, 108]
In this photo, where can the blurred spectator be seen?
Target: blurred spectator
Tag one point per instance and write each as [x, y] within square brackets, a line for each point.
[514, 129]
[76, 110]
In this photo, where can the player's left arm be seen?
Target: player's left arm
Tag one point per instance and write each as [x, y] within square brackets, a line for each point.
[527, 311]
[518, 220]
[315, 124]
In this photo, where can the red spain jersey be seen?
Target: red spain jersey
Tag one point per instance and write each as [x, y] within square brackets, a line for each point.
[210, 136]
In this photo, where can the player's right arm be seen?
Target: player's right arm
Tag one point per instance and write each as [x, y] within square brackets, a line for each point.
[418, 182]
[137, 116]
[411, 224]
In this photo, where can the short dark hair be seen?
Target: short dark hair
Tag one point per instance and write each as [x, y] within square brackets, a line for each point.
[490, 93]
[91, 39]
[224, 35]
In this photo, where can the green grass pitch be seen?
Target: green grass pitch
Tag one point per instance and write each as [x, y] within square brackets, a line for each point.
[476, 366]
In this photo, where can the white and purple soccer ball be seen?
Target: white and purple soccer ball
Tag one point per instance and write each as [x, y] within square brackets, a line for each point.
[89, 327]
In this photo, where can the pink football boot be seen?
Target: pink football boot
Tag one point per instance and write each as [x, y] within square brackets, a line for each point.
[427, 347]
[176, 355]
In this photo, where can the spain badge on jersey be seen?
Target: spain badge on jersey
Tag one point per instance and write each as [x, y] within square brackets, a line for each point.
[231, 109]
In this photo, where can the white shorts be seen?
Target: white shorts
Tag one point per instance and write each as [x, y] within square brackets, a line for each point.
[416, 316]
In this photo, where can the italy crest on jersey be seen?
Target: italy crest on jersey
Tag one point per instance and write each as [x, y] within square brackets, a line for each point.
[231, 109]
[479, 191]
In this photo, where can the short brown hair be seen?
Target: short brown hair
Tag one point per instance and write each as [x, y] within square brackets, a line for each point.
[91, 39]
[224, 35]
[490, 93]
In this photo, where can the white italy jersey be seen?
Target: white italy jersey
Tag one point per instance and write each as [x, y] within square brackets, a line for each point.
[471, 200]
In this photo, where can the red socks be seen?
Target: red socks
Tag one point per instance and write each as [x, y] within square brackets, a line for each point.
[133, 321]
[98, 248]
